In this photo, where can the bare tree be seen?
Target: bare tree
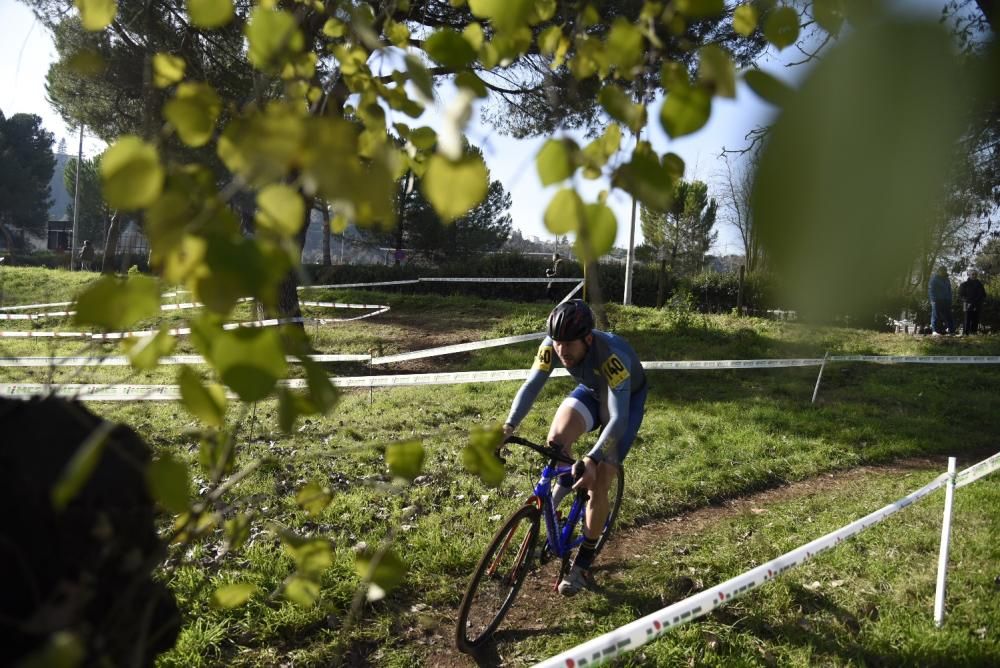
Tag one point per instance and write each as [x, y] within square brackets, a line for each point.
[735, 185]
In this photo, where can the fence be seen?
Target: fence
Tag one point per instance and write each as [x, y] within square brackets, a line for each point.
[648, 628]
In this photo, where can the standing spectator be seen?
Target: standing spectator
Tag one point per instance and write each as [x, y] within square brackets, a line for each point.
[939, 292]
[86, 256]
[973, 294]
[553, 272]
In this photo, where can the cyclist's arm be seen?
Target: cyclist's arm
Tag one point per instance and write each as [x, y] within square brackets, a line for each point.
[525, 397]
[618, 404]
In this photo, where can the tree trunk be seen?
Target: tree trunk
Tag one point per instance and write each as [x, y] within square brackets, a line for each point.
[327, 261]
[111, 247]
[661, 284]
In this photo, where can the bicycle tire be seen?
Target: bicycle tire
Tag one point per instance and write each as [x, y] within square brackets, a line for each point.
[497, 579]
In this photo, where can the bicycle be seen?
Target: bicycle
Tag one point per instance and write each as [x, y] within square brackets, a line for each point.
[510, 555]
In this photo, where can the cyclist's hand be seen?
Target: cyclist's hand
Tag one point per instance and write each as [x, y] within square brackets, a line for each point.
[589, 475]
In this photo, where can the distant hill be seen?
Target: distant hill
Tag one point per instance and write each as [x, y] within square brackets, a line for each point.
[60, 196]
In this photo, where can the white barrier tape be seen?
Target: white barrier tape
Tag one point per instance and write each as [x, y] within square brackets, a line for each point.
[171, 392]
[36, 316]
[119, 360]
[918, 359]
[730, 364]
[438, 280]
[642, 631]
[357, 285]
[478, 279]
[977, 471]
[579, 286]
[25, 307]
[458, 348]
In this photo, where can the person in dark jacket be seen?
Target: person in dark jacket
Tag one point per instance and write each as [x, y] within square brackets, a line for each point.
[553, 272]
[939, 292]
[973, 294]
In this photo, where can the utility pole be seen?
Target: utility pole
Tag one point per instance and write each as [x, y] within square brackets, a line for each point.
[630, 258]
[76, 202]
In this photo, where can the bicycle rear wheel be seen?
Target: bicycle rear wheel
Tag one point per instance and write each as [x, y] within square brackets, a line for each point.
[497, 579]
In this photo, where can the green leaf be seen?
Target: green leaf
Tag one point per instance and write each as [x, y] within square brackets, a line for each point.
[144, 353]
[302, 591]
[745, 20]
[555, 161]
[625, 47]
[646, 179]
[237, 531]
[280, 210]
[768, 88]
[114, 304]
[207, 403]
[334, 28]
[455, 187]
[716, 68]
[470, 81]
[322, 393]
[449, 48]
[479, 456]
[385, 570]
[313, 498]
[193, 112]
[548, 40]
[131, 174]
[233, 595]
[405, 459]
[97, 14]
[398, 33]
[63, 649]
[420, 77]
[781, 27]
[701, 9]
[81, 466]
[685, 110]
[86, 63]
[169, 483]
[852, 175]
[620, 107]
[210, 14]
[598, 235]
[312, 556]
[829, 14]
[597, 153]
[564, 213]
[250, 361]
[167, 69]
[273, 36]
[505, 15]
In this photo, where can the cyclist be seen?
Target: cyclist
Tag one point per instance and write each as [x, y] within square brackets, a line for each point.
[611, 394]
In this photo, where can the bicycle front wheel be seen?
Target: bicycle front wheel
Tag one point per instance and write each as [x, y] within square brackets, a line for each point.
[497, 579]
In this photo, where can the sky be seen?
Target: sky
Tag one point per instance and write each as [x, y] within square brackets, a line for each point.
[27, 51]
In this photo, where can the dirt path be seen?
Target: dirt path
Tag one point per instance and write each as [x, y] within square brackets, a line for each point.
[526, 619]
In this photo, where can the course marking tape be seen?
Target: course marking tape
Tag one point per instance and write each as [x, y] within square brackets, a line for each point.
[120, 360]
[102, 392]
[642, 631]
[977, 471]
[25, 307]
[730, 364]
[438, 280]
[917, 359]
[457, 348]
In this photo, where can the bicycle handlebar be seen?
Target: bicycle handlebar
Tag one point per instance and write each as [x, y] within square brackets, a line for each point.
[549, 452]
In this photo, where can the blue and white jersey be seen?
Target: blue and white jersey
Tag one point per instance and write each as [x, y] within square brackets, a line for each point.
[611, 371]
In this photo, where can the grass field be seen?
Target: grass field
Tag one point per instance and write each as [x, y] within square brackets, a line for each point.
[710, 438]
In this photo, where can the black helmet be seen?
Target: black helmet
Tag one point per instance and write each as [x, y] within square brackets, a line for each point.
[570, 321]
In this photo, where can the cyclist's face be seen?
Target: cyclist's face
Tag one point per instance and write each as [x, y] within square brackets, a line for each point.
[572, 353]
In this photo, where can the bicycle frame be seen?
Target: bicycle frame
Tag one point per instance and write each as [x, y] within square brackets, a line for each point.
[557, 536]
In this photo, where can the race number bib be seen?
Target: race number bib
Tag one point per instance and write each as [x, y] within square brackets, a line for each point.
[614, 371]
[543, 360]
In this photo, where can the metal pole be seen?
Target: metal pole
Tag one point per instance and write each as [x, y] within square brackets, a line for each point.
[942, 574]
[76, 201]
[630, 259]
